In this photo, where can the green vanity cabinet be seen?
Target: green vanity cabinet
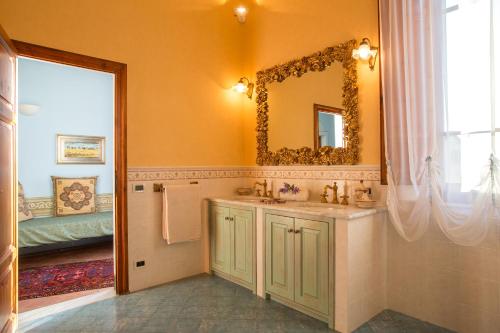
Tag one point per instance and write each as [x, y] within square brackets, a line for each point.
[232, 238]
[279, 255]
[311, 264]
[241, 242]
[220, 238]
[297, 262]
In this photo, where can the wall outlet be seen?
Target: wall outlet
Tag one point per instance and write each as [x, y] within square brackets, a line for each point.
[140, 263]
[138, 188]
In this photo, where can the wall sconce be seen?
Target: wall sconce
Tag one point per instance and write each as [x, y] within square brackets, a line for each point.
[241, 13]
[366, 52]
[29, 109]
[244, 86]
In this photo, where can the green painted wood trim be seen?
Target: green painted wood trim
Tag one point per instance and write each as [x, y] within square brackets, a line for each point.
[300, 215]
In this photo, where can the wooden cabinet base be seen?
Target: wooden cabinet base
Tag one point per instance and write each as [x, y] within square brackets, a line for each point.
[301, 308]
[231, 278]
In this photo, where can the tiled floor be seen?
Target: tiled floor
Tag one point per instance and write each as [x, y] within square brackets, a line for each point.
[206, 304]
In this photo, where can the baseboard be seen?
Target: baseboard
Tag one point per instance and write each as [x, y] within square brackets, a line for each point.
[298, 307]
[239, 282]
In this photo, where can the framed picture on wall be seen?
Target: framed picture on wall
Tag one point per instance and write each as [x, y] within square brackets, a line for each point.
[80, 149]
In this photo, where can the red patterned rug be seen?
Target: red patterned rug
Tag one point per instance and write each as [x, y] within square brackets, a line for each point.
[65, 278]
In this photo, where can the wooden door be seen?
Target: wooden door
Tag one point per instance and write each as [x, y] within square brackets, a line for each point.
[311, 264]
[220, 237]
[8, 211]
[241, 254]
[279, 255]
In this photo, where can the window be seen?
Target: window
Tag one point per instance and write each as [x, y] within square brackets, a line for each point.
[472, 120]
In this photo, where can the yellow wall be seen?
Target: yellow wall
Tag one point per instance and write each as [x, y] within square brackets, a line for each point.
[182, 58]
[281, 30]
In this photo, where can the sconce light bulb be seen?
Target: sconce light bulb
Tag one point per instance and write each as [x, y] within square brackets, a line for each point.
[241, 13]
[241, 10]
[240, 87]
[364, 51]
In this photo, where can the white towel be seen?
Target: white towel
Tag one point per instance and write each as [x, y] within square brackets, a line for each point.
[181, 220]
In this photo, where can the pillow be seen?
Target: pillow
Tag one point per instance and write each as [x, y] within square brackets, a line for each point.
[24, 213]
[74, 196]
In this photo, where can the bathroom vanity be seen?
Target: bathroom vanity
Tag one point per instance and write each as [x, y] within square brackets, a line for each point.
[232, 243]
[327, 261]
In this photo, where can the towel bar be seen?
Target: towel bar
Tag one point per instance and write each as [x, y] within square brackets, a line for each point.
[161, 187]
[158, 187]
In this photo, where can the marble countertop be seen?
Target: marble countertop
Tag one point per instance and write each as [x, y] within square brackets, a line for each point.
[305, 207]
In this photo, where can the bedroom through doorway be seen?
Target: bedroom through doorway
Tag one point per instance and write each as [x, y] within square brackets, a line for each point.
[66, 173]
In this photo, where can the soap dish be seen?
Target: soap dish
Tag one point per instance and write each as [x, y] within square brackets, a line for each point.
[366, 203]
[244, 190]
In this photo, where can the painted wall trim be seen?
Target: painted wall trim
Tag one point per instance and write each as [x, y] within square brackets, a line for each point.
[354, 172]
[44, 206]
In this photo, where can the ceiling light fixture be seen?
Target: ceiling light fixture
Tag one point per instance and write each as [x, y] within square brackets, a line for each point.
[29, 109]
[241, 13]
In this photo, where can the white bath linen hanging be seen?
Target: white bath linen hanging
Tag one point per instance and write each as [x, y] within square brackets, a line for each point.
[433, 151]
[181, 219]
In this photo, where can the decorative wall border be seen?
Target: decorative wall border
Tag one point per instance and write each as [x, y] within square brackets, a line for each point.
[337, 172]
[44, 206]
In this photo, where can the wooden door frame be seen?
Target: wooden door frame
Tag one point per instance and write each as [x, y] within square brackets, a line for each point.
[120, 143]
[383, 162]
[10, 253]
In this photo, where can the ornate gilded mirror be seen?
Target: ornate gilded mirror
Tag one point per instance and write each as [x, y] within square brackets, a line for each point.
[307, 110]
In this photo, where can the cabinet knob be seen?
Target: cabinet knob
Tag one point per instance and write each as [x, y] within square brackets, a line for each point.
[226, 218]
[297, 231]
[290, 230]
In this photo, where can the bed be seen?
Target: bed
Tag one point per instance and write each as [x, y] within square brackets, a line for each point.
[51, 233]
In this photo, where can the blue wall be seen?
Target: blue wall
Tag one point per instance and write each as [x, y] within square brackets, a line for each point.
[73, 101]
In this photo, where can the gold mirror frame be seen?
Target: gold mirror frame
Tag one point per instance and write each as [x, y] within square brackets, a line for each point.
[316, 62]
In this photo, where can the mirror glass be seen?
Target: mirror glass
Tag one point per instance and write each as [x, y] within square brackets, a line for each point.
[306, 111]
[329, 126]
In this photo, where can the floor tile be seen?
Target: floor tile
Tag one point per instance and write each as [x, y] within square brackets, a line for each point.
[208, 304]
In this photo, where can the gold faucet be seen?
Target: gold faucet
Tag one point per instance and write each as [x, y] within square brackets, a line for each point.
[335, 199]
[264, 184]
[324, 196]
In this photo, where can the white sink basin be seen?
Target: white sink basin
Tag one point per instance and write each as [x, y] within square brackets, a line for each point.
[306, 205]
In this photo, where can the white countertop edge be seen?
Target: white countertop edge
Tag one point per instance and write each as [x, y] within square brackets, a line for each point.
[349, 213]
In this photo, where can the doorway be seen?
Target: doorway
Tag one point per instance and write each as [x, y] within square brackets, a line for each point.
[94, 250]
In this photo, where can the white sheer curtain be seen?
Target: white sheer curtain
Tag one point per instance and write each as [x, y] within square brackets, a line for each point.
[440, 59]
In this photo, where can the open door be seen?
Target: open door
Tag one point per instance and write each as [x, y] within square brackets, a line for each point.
[8, 188]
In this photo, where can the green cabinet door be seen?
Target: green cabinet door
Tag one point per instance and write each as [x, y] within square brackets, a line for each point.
[279, 255]
[311, 264]
[220, 237]
[241, 240]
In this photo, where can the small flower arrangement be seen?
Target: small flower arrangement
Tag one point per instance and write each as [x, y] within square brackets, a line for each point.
[289, 188]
